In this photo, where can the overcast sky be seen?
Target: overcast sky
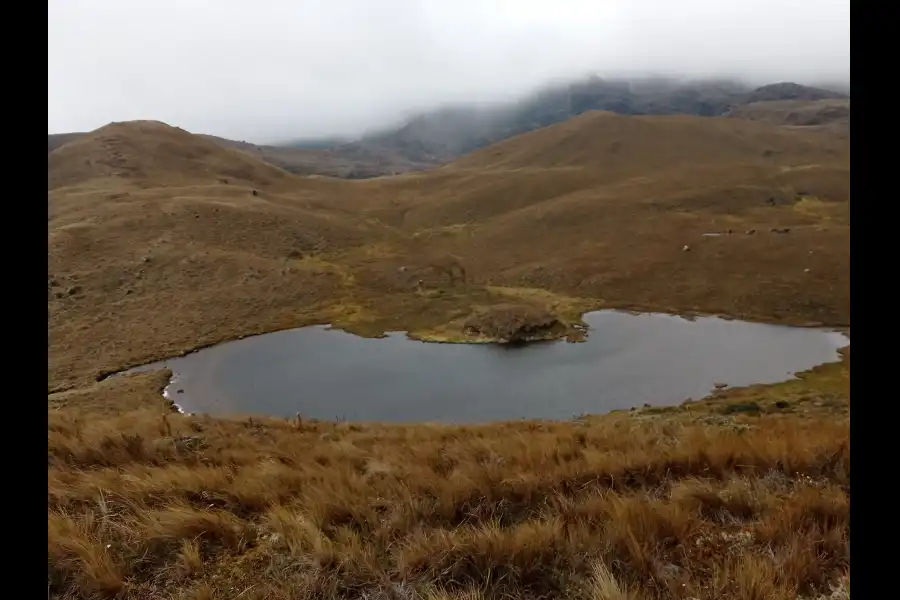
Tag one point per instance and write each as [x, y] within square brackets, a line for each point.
[270, 70]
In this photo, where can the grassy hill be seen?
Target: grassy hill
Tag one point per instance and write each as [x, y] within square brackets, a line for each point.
[152, 153]
[349, 162]
[160, 241]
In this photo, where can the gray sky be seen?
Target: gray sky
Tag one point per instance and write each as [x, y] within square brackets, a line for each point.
[267, 70]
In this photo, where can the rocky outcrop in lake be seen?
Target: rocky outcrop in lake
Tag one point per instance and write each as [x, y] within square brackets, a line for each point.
[515, 324]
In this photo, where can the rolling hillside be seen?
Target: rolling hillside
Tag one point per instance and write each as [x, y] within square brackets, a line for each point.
[156, 234]
[591, 212]
[349, 163]
[444, 134]
[152, 153]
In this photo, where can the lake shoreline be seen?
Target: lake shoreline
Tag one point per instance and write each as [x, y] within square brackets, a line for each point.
[430, 336]
[182, 387]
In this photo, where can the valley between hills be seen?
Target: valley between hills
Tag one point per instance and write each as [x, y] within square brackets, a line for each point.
[161, 241]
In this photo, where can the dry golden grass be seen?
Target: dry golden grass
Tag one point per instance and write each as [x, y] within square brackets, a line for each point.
[159, 243]
[696, 501]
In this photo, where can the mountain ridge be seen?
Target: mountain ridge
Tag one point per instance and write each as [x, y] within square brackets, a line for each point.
[439, 136]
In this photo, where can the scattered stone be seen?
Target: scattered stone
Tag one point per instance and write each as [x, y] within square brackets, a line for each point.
[145, 260]
[781, 404]
[179, 391]
[719, 386]
[686, 248]
[71, 291]
[806, 270]
[751, 231]
[255, 193]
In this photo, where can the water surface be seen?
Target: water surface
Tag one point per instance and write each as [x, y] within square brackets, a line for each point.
[628, 360]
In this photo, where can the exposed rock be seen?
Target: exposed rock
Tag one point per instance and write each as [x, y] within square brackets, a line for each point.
[515, 323]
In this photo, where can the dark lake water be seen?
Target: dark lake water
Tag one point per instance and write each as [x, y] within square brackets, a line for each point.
[628, 360]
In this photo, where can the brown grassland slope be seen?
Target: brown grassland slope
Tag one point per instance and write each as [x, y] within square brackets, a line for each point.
[160, 241]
